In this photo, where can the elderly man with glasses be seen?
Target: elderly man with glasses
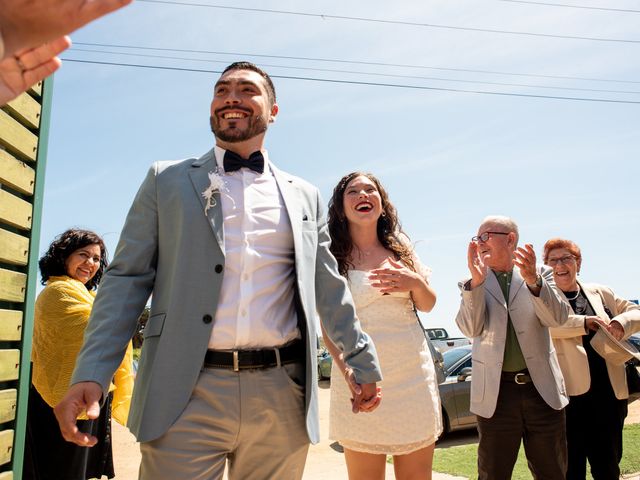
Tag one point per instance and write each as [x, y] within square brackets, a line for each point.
[517, 389]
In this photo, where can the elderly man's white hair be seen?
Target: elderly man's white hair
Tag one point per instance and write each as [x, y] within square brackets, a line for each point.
[508, 223]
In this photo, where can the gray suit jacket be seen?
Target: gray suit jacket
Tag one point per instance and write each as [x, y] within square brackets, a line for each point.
[170, 249]
[483, 316]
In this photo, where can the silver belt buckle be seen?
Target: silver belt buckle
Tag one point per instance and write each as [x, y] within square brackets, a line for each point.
[236, 364]
[517, 379]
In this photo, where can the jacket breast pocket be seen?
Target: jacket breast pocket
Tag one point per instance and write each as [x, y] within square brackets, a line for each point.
[154, 325]
[477, 381]
[309, 226]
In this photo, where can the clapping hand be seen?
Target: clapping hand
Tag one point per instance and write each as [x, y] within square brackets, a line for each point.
[477, 264]
[525, 260]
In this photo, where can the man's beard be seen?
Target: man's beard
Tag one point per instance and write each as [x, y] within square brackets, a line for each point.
[256, 126]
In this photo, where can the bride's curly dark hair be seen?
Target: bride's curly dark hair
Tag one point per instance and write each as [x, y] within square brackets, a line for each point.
[389, 229]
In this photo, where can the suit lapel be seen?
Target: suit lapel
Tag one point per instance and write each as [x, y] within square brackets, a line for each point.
[596, 301]
[199, 175]
[517, 282]
[292, 203]
[493, 287]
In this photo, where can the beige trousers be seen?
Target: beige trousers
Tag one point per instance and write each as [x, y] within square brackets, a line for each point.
[254, 419]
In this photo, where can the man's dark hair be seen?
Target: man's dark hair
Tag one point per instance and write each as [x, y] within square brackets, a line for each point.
[271, 90]
[52, 263]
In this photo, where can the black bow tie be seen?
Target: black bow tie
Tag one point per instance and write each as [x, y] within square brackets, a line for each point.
[233, 162]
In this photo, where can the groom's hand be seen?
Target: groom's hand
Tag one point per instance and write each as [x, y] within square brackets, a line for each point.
[368, 399]
[80, 397]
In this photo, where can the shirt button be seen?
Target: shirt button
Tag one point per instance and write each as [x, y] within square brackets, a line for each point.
[207, 318]
[245, 276]
[218, 268]
[243, 313]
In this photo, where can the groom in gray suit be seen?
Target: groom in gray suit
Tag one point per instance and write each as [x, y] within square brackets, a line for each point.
[517, 389]
[235, 253]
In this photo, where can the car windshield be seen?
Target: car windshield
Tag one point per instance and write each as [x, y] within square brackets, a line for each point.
[452, 356]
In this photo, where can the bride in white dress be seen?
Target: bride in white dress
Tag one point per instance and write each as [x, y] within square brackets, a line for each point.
[388, 283]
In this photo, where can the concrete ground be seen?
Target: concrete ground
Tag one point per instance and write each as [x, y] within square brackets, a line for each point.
[323, 462]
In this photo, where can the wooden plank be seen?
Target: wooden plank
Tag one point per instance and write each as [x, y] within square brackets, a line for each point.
[14, 248]
[13, 285]
[25, 109]
[8, 401]
[16, 138]
[6, 476]
[6, 446]
[10, 325]
[36, 89]
[9, 364]
[16, 174]
[14, 211]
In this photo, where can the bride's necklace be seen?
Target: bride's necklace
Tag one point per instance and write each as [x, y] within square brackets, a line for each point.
[367, 252]
[575, 296]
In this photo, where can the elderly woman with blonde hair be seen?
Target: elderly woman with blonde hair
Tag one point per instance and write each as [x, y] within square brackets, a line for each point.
[596, 385]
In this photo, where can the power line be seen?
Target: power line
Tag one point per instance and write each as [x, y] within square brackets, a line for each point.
[360, 62]
[622, 10]
[375, 84]
[376, 74]
[394, 22]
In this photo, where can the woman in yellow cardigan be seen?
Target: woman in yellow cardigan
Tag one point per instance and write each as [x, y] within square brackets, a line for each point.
[71, 269]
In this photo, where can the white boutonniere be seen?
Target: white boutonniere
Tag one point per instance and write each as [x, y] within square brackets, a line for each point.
[216, 183]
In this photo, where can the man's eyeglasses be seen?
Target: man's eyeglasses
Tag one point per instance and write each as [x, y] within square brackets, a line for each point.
[483, 237]
[552, 262]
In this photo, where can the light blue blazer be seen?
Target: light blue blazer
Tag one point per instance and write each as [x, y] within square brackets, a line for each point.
[170, 249]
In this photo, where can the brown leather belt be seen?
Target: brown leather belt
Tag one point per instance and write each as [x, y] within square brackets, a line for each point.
[255, 359]
[516, 377]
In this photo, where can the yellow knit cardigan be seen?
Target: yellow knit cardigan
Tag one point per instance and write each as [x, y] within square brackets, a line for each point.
[61, 315]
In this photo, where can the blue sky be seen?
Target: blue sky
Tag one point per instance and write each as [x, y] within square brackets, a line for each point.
[558, 167]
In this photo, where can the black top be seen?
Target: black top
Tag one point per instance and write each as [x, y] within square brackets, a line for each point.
[600, 383]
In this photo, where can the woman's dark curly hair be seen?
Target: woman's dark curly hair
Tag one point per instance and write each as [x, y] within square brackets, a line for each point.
[389, 229]
[52, 263]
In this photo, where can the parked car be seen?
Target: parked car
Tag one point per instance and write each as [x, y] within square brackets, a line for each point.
[324, 363]
[442, 341]
[635, 341]
[455, 390]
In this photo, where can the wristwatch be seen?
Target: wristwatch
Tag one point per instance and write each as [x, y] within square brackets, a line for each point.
[538, 282]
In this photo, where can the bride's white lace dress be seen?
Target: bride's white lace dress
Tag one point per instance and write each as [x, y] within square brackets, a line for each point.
[409, 416]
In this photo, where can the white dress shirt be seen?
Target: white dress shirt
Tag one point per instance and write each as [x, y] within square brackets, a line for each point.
[256, 307]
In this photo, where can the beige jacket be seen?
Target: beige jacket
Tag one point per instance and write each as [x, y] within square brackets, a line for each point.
[568, 340]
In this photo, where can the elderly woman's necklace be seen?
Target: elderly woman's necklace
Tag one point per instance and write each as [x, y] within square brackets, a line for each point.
[574, 297]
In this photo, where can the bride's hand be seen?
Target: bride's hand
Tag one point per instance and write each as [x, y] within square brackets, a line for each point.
[396, 278]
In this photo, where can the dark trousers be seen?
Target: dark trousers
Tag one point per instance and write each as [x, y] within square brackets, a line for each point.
[522, 415]
[594, 433]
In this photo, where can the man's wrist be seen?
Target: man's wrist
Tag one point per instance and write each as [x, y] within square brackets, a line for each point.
[537, 283]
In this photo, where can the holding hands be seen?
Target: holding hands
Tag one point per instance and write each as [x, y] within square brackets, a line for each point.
[365, 397]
